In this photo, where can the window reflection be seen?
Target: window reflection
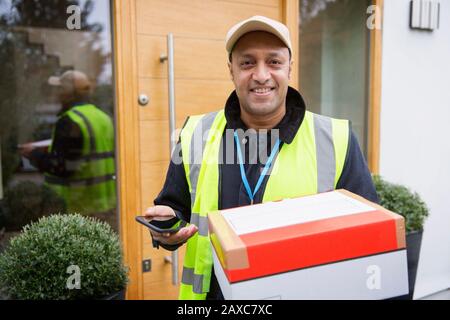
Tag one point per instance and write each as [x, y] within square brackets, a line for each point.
[56, 112]
[334, 60]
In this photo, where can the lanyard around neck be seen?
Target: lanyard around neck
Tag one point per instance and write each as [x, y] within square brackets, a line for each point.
[251, 194]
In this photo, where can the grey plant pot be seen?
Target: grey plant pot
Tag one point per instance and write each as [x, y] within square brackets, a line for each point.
[120, 295]
[413, 243]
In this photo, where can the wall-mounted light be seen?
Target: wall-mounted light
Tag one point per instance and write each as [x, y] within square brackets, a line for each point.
[424, 14]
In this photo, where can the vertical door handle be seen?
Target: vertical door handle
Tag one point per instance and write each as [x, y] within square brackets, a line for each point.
[171, 82]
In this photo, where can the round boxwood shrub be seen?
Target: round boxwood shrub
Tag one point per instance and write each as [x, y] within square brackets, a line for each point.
[401, 200]
[41, 263]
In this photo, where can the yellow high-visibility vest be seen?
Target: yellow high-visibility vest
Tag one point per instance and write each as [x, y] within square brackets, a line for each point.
[92, 187]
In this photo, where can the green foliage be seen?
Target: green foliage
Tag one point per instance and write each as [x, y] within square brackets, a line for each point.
[27, 202]
[35, 265]
[401, 200]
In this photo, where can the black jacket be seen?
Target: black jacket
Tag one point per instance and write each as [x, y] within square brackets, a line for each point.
[232, 193]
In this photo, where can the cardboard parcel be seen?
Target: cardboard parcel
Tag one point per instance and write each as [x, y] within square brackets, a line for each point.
[333, 245]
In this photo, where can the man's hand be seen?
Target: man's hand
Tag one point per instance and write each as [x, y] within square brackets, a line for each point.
[26, 149]
[164, 213]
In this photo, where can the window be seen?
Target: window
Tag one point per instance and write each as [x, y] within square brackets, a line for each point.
[56, 92]
[334, 60]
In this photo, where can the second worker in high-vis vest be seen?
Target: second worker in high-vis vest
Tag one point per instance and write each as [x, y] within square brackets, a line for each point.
[263, 146]
[79, 164]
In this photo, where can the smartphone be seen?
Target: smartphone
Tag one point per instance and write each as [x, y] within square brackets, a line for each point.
[151, 224]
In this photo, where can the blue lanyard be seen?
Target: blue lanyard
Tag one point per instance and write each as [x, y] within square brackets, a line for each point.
[251, 194]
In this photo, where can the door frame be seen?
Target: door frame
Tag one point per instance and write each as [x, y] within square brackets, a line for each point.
[375, 65]
[128, 151]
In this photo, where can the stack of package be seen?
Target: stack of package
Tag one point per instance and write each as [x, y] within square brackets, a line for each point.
[334, 245]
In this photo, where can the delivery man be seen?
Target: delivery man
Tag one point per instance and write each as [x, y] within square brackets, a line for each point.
[79, 163]
[306, 153]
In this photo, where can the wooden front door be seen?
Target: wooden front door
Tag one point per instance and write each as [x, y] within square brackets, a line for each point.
[202, 84]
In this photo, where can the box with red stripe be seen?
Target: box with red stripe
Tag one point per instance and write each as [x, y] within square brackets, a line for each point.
[315, 236]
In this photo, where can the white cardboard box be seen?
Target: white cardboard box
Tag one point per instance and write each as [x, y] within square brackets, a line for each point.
[379, 276]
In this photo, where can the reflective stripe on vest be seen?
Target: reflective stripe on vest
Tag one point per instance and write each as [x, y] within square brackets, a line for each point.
[326, 169]
[197, 276]
[79, 182]
[312, 163]
[91, 188]
[198, 142]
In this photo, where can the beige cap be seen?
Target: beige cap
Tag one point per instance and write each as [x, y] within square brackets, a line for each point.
[257, 23]
[72, 80]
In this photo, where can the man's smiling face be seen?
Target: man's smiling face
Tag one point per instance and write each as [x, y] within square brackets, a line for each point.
[260, 70]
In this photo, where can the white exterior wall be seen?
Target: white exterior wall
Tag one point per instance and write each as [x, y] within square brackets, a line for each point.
[415, 129]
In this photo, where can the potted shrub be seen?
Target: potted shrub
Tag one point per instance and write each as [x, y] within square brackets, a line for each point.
[64, 257]
[401, 200]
